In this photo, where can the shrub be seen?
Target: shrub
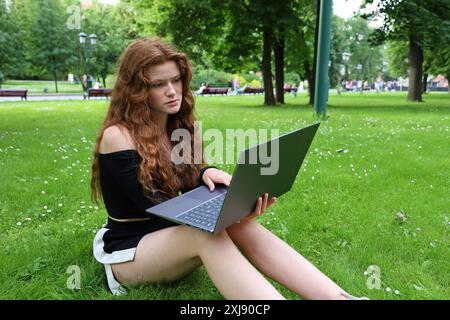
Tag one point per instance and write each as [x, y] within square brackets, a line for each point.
[215, 78]
[255, 84]
[292, 78]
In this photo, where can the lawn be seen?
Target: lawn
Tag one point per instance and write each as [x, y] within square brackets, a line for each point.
[383, 201]
[38, 86]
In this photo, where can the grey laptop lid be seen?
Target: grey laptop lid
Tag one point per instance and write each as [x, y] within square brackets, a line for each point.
[252, 178]
[248, 183]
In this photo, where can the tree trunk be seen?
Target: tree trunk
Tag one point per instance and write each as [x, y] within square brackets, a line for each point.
[278, 50]
[56, 80]
[104, 80]
[448, 81]
[415, 58]
[80, 77]
[424, 82]
[269, 98]
[312, 79]
[309, 76]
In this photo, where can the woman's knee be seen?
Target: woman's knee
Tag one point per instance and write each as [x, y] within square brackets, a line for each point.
[205, 240]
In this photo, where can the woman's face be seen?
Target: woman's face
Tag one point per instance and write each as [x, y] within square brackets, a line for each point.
[166, 87]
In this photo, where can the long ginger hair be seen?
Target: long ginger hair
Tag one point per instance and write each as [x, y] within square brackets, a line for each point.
[130, 109]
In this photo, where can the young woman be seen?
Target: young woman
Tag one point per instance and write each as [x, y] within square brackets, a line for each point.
[132, 170]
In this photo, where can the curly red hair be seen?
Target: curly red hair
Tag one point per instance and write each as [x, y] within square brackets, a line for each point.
[129, 108]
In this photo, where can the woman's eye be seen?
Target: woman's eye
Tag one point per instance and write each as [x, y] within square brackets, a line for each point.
[156, 85]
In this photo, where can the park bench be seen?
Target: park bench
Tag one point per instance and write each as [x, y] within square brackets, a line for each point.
[221, 91]
[102, 92]
[22, 93]
[253, 90]
[290, 89]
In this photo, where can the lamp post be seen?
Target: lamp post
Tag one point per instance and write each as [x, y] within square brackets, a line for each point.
[360, 75]
[87, 44]
[323, 57]
[345, 58]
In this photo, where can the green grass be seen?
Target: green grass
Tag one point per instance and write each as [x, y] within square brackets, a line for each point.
[340, 213]
[37, 87]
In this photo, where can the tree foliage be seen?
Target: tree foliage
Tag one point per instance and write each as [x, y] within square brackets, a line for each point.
[51, 47]
[422, 23]
[112, 32]
[11, 46]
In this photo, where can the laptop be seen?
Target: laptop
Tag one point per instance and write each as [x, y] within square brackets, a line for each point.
[213, 211]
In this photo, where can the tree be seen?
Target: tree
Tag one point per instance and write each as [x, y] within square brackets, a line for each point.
[230, 35]
[287, 18]
[397, 54]
[301, 44]
[6, 53]
[193, 26]
[51, 47]
[112, 30]
[211, 32]
[271, 21]
[11, 47]
[440, 62]
[352, 36]
[420, 23]
[339, 45]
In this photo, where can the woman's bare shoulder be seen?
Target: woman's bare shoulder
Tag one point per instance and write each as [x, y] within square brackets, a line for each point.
[115, 139]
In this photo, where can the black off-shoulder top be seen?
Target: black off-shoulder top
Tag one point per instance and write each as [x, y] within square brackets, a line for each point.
[122, 193]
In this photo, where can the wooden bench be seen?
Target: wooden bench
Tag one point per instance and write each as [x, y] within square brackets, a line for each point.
[253, 90]
[221, 91]
[22, 93]
[103, 92]
[290, 89]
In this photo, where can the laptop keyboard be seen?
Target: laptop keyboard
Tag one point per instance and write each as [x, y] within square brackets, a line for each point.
[205, 214]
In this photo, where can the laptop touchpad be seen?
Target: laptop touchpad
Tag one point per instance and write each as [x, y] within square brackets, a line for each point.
[203, 194]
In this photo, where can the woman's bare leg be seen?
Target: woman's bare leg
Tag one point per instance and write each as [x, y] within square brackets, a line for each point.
[171, 253]
[276, 259]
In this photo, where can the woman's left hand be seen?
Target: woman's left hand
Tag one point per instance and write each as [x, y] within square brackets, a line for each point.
[212, 176]
[261, 205]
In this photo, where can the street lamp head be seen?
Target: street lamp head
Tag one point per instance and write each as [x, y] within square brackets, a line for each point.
[82, 37]
[93, 39]
[346, 56]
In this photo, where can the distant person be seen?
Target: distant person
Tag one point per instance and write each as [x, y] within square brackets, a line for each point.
[359, 86]
[301, 87]
[84, 80]
[200, 90]
[236, 85]
[242, 89]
